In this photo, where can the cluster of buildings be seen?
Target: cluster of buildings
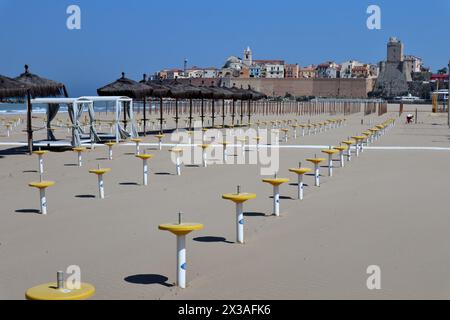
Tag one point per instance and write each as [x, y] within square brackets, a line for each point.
[399, 74]
[247, 67]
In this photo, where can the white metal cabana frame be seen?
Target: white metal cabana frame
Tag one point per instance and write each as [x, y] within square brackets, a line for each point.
[119, 107]
[75, 108]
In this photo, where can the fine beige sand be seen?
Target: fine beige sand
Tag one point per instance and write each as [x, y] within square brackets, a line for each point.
[387, 208]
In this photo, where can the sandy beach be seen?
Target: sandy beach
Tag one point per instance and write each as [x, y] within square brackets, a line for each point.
[386, 208]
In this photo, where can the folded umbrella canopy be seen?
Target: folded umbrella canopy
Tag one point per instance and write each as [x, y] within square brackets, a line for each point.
[40, 87]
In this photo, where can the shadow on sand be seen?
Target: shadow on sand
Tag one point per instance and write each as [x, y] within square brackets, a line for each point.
[210, 239]
[148, 279]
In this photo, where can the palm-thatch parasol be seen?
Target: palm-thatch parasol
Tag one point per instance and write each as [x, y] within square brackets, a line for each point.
[38, 87]
[185, 91]
[128, 88]
[255, 95]
[158, 91]
[10, 88]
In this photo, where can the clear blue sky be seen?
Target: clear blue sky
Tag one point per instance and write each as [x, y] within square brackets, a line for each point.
[137, 36]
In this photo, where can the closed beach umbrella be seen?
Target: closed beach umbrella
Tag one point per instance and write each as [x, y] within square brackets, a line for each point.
[38, 87]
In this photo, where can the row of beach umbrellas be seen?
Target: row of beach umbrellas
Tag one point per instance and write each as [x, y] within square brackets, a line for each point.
[28, 86]
[178, 90]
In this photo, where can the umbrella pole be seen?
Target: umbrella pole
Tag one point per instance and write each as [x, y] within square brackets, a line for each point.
[176, 114]
[213, 112]
[242, 112]
[29, 130]
[190, 114]
[223, 113]
[249, 112]
[203, 113]
[161, 115]
[145, 117]
[125, 116]
[233, 112]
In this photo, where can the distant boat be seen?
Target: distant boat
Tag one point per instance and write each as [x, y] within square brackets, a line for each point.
[408, 98]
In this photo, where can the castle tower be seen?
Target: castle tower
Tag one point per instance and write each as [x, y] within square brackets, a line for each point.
[395, 50]
[248, 57]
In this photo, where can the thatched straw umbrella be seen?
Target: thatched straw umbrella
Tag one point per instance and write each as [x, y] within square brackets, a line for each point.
[10, 88]
[38, 87]
[207, 93]
[255, 95]
[237, 95]
[224, 94]
[128, 88]
[186, 91]
[160, 91]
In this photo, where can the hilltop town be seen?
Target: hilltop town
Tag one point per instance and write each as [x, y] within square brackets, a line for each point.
[398, 75]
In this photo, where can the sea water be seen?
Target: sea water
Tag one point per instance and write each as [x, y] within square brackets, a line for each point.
[21, 108]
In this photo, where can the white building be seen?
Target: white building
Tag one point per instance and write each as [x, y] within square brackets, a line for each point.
[347, 68]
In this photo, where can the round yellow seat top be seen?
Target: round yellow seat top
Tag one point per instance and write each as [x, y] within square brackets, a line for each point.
[176, 150]
[367, 133]
[341, 148]
[42, 184]
[110, 144]
[136, 140]
[181, 229]
[49, 291]
[160, 136]
[242, 139]
[258, 138]
[224, 143]
[79, 149]
[374, 130]
[316, 160]
[276, 182]
[239, 198]
[300, 171]
[380, 126]
[285, 130]
[100, 171]
[205, 130]
[330, 151]
[204, 146]
[358, 138]
[144, 156]
[40, 152]
[217, 127]
[349, 142]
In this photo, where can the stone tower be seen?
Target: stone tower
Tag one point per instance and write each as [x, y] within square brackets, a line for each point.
[394, 74]
[395, 50]
[248, 57]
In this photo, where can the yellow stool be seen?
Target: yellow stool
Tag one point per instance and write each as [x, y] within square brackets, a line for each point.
[316, 161]
[144, 158]
[42, 186]
[181, 230]
[100, 172]
[276, 183]
[239, 199]
[330, 152]
[79, 151]
[300, 173]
